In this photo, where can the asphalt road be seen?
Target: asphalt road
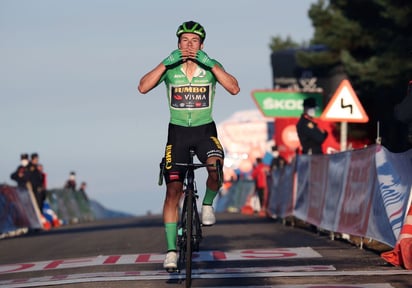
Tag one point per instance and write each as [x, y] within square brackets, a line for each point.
[239, 251]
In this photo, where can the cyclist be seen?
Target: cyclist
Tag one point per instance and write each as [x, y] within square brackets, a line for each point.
[190, 76]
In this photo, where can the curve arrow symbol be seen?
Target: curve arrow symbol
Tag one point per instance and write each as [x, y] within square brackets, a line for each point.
[343, 106]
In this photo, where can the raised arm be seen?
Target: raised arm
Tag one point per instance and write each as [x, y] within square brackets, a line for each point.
[226, 80]
[150, 80]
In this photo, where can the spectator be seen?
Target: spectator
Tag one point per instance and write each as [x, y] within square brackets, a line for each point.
[82, 190]
[21, 173]
[71, 182]
[275, 158]
[36, 179]
[310, 135]
[41, 169]
[259, 175]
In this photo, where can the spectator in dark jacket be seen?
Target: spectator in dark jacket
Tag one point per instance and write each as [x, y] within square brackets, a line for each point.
[71, 182]
[36, 179]
[310, 135]
[21, 173]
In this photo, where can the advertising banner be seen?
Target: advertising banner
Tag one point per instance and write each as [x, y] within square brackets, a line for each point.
[358, 193]
[284, 103]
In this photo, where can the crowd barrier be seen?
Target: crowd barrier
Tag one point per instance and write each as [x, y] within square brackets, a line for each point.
[71, 206]
[19, 212]
[364, 192]
[234, 201]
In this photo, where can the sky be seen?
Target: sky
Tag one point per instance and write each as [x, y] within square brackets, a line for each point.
[69, 71]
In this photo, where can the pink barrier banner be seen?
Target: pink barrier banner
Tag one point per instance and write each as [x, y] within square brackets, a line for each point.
[16, 210]
[317, 189]
[358, 193]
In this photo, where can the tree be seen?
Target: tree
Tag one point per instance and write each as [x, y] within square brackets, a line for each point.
[372, 40]
[278, 43]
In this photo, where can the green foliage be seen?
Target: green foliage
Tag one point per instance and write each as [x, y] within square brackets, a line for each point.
[277, 43]
[372, 39]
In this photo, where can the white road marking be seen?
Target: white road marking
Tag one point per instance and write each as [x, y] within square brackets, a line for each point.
[224, 273]
[374, 285]
[203, 256]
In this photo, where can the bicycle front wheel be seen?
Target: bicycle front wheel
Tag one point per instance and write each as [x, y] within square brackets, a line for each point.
[189, 236]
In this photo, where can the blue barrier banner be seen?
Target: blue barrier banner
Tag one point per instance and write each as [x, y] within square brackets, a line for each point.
[236, 197]
[17, 210]
[302, 194]
[282, 192]
[395, 180]
[335, 184]
[379, 227]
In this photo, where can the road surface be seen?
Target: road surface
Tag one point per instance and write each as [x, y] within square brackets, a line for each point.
[239, 251]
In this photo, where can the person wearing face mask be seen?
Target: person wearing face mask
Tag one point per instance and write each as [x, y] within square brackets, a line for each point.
[21, 173]
[310, 135]
[71, 182]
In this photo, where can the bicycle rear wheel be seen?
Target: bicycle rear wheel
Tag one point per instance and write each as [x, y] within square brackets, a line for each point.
[189, 235]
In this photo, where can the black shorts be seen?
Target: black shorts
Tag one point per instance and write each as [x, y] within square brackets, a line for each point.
[202, 139]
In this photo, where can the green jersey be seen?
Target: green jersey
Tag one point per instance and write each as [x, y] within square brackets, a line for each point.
[190, 102]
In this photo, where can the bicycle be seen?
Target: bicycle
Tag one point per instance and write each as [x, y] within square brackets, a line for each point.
[189, 229]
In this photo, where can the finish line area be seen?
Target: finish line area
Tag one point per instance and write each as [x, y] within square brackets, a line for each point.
[203, 256]
[297, 271]
[226, 273]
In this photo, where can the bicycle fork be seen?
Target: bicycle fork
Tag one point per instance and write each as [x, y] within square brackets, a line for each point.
[182, 233]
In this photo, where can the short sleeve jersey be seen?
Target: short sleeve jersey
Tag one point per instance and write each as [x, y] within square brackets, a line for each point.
[190, 102]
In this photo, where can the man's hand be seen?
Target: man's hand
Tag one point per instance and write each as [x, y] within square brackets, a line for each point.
[173, 59]
[203, 58]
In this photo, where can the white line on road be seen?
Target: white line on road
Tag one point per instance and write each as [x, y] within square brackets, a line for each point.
[248, 272]
[146, 258]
